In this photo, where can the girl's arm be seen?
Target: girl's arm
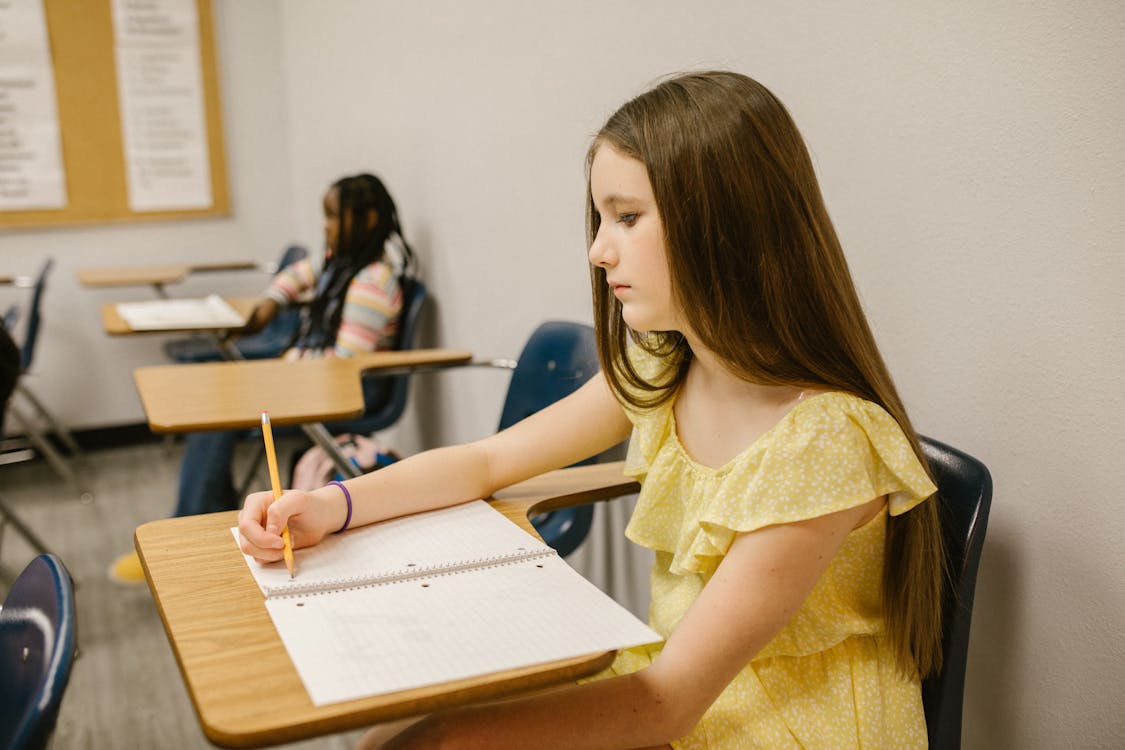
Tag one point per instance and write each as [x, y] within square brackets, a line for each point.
[583, 424]
[757, 588]
[263, 313]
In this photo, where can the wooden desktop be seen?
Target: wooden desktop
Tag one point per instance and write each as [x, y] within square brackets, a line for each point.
[158, 276]
[245, 689]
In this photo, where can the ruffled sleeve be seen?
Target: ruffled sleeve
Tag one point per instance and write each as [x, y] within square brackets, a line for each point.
[831, 452]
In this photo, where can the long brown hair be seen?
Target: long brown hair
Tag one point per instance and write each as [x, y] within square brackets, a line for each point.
[759, 273]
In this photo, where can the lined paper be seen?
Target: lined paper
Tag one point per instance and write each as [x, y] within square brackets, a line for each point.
[479, 595]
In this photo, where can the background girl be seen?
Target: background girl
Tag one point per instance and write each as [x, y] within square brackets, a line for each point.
[798, 568]
[352, 304]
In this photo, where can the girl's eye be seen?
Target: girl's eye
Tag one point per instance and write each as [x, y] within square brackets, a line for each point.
[627, 219]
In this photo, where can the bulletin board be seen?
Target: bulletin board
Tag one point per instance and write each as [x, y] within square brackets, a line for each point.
[81, 36]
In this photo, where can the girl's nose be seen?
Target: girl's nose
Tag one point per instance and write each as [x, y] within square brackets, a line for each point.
[600, 253]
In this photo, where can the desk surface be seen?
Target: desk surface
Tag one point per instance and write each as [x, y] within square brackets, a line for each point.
[115, 325]
[233, 395]
[246, 690]
[157, 275]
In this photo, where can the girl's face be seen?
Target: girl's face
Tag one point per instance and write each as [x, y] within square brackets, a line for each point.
[331, 222]
[630, 242]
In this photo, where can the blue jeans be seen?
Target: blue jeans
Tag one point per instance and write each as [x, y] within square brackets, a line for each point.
[206, 485]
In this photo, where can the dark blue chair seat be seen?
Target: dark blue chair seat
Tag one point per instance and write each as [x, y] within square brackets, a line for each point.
[37, 648]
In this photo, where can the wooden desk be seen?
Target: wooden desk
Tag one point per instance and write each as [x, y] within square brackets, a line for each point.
[158, 275]
[232, 395]
[246, 691]
[115, 325]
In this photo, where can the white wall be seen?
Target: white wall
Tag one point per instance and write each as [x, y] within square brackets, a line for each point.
[82, 374]
[970, 155]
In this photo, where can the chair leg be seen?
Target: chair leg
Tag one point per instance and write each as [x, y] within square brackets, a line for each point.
[40, 442]
[32, 538]
[46, 416]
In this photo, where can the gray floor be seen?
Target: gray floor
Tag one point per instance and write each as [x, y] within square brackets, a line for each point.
[125, 689]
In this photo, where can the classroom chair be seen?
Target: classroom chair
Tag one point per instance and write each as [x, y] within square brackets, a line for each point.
[271, 341]
[9, 375]
[40, 424]
[37, 649]
[384, 396]
[557, 360]
[965, 488]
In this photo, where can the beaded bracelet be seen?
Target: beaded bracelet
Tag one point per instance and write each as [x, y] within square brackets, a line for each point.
[348, 497]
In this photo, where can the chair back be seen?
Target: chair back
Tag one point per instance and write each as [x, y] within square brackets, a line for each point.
[385, 396]
[965, 488]
[37, 647]
[31, 332]
[557, 360]
[270, 342]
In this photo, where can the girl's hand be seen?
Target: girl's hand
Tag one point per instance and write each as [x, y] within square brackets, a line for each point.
[262, 518]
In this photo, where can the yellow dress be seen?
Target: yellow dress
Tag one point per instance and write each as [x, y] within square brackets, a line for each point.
[829, 678]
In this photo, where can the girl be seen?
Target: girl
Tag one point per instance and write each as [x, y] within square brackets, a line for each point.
[355, 295]
[798, 562]
[354, 302]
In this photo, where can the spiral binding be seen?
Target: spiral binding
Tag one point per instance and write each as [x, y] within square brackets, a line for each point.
[294, 589]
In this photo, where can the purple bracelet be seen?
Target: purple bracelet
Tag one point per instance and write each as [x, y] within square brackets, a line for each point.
[348, 497]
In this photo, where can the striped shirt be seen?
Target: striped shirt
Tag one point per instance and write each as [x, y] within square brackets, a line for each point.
[372, 306]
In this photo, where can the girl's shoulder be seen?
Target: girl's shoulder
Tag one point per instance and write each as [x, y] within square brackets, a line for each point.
[378, 274]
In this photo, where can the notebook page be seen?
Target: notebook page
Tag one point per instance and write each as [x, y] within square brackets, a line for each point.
[453, 536]
[153, 315]
[385, 638]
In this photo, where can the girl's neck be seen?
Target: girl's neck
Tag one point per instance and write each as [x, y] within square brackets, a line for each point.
[712, 375]
[719, 414]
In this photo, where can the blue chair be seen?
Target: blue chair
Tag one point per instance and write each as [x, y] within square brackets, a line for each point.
[556, 361]
[9, 376]
[37, 649]
[270, 342]
[384, 396]
[965, 488]
[41, 423]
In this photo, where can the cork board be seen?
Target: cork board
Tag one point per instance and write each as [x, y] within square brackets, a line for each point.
[82, 54]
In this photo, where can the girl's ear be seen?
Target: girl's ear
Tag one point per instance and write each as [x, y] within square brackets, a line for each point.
[372, 219]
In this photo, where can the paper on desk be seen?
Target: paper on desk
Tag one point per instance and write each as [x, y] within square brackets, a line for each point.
[425, 599]
[172, 314]
[383, 639]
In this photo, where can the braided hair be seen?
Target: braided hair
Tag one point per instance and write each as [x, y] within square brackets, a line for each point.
[358, 247]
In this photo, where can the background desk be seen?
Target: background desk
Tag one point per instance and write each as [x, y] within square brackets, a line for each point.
[242, 683]
[158, 276]
[305, 392]
[233, 395]
[115, 325]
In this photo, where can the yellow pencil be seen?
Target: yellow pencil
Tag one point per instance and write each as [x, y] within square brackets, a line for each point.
[275, 482]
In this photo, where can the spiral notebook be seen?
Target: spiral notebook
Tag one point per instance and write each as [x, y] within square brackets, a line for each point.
[425, 599]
